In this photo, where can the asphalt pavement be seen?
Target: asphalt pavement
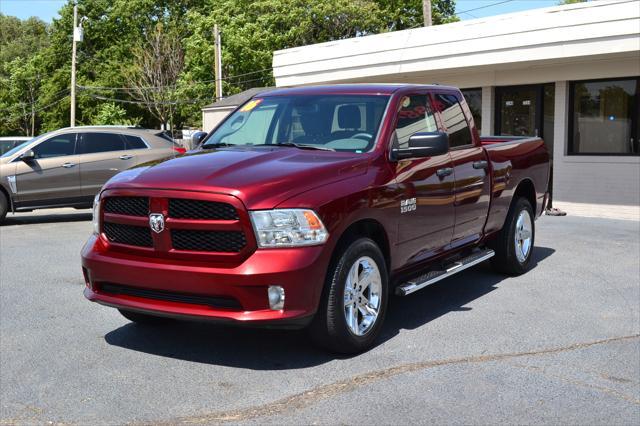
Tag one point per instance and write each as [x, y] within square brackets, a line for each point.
[558, 345]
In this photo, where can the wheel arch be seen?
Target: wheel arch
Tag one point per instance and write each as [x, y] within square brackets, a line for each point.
[4, 192]
[369, 228]
[527, 190]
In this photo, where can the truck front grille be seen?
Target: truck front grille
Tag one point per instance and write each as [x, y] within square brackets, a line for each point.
[220, 241]
[196, 228]
[199, 209]
[139, 236]
[128, 206]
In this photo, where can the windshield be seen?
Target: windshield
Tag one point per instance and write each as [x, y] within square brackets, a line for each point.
[336, 122]
[17, 145]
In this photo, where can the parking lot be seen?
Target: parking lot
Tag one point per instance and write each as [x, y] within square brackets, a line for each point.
[560, 344]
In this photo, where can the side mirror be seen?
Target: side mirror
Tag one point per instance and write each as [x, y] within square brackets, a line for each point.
[426, 144]
[197, 138]
[28, 156]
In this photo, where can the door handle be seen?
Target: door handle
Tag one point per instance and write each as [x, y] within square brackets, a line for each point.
[68, 165]
[126, 157]
[444, 172]
[480, 164]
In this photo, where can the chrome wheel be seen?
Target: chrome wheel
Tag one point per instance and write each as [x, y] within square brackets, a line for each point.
[523, 236]
[362, 296]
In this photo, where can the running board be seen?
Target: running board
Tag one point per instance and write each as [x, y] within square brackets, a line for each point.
[434, 276]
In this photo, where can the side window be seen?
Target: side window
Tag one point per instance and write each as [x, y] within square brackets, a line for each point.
[91, 143]
[414, 116]
[134, 142]
[454, 120]
[57, 146]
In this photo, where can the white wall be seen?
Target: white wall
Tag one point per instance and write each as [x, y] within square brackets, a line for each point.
[590, 179]
[211, 117]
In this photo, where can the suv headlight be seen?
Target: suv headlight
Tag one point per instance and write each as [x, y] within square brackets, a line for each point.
[96, 215]
[288, 228]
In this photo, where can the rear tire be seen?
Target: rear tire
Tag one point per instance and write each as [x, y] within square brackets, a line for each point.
[354, 303]
[4, 206]
[143, 319]
[514, 243]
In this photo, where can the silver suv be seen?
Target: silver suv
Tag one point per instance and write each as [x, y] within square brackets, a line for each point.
[67, 167]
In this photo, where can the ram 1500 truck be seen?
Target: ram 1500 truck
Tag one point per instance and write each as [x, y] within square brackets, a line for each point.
[309, 207]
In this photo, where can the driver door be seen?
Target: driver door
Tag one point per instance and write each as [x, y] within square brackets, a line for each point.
[426, 215]
[53, 176]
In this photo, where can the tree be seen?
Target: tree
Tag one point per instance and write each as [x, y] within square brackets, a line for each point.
[402, 14]
[110, 114]
[154, 76]
[168, 45]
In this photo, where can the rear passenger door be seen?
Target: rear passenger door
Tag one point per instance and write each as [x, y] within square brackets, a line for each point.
[102, 155]
[470, 169]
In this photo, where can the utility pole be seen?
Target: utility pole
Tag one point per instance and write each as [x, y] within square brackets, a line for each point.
[426, 11]
[73, 66]
[217, 58]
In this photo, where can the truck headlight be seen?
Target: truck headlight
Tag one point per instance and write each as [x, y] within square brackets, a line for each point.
[96, 215]
[288, 228]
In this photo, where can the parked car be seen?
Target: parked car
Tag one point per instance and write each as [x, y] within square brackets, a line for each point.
[67, 167]
[308, 207]
[10, 142]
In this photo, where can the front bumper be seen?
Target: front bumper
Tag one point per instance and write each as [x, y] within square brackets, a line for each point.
[300, 271]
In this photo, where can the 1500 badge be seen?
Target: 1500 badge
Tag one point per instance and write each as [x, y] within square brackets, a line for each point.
[407, 205]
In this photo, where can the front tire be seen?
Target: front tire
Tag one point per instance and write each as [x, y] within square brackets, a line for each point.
[514, 243]
[354, 302]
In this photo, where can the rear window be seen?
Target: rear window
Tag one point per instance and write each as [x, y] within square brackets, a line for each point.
[167, 137]
[134, 142]
[91, 143]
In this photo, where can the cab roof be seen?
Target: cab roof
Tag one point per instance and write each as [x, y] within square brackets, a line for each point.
[349, 89]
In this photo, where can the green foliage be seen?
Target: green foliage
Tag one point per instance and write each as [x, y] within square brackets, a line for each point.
[562, 2]
[110, 114]
[35, 58]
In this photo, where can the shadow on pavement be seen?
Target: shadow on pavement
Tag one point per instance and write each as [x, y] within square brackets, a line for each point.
[31, 219]
[261, 349]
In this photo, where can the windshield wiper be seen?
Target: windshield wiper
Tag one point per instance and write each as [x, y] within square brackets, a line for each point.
[216, 145]
[296, 145]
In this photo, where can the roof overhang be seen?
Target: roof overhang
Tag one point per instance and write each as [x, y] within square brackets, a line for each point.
[559, 34]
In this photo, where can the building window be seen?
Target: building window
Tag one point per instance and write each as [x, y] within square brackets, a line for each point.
[604, 117]
[474, 100]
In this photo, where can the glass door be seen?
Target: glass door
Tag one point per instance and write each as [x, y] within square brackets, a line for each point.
[519, 110]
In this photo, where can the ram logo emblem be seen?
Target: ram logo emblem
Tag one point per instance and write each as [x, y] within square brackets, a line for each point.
[156, 222]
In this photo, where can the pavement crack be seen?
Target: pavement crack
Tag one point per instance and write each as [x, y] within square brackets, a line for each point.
[323, 392]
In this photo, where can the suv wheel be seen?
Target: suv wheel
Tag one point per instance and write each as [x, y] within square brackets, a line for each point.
[4, 206]
[354, 303]
[514, 243]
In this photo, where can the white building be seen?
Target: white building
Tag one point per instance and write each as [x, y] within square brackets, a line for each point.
[568, 73]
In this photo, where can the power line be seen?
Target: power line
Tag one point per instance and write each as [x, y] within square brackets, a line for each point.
[127, 101]
[485, 6]
[28, 104]
[150, 88]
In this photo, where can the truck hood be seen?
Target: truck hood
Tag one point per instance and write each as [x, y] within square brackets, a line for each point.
[260, 177]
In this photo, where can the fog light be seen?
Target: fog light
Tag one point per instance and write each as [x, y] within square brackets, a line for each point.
[276, 297]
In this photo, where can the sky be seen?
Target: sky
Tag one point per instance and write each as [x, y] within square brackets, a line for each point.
[48, 9]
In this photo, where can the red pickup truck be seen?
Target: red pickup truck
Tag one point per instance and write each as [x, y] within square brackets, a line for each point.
[309, 207]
